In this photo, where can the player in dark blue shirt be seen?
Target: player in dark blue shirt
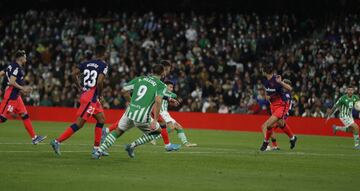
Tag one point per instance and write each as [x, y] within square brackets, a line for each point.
[12, 104]
[91, 84]
[279, 106]
[288, 97]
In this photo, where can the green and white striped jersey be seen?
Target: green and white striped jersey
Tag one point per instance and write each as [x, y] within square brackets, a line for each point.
[345, 105]
[165, 103]
[144, 90]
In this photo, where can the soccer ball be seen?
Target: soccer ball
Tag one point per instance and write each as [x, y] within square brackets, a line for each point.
[357, 105]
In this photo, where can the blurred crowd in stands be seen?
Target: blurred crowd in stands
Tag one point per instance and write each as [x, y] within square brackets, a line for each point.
[216, 57]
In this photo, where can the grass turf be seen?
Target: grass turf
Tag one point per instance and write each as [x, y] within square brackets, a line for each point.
[224, 160]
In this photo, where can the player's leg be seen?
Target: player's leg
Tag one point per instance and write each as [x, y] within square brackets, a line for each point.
[273, 141]
[100, 120]
[107, 130]
[112, 127]
[124, 124]
[145, 138]
[110, 140]
[164, 133]
[346, 127]
[19, 108]
[181, 134]
[274, 144]
[3, 110]
[30, 130]
[73, 128]
[287, 130]
[166, 122]
[355, 129]
[268, 124]
[69, 131]
[3, 119]
[148, 134]
[85, 111]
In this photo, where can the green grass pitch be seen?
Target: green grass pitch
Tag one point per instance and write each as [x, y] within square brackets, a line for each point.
[224, 160]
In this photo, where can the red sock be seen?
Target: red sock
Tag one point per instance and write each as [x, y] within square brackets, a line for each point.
[274, 143]
[113, 126]
[98, 133]
[68, 132]
[165, 136]
[29, 128]
[288, 131]
[268, 134]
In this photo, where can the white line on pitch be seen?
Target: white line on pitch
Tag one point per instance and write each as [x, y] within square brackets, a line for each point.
[240, 153]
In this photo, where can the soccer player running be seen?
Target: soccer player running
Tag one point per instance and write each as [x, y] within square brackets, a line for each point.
[279, 107]
[164, 133]
[345, 104]
[274, 145]
[147, 92]
[170, 122]
[12, 104]
[93, 72]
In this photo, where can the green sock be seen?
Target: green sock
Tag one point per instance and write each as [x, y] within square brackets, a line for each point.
[356, 139]
[343, 129]
[109, 141]
[182, 136]
[144, 139]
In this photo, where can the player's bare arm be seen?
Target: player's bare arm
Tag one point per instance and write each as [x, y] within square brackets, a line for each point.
[126, 94]
[100, 84]
[2, 73]
[283, 84]
[25, 89]
[174, 102]
[75, 76]
[330, 112]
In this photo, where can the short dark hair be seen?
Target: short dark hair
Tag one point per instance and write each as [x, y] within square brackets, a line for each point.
[88, 54]
[165, 63]
[168, 82]
[20, 53]
[100, 50]
[268, 68]
[158, 69]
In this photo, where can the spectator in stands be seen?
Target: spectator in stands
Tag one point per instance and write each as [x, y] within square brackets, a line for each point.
[216, 58]
[46, 101]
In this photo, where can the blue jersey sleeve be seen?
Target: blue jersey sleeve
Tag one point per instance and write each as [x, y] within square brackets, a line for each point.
[103, 69]
[279, 88]
[81, 66]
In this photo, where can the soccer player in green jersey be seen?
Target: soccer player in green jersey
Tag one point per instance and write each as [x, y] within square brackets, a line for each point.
[170, 122]
[345, 106]
[147, 92]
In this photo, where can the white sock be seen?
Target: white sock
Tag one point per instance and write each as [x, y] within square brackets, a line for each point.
[167, 145]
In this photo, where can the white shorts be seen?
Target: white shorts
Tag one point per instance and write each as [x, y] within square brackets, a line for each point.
[125, 124]
[347, 121]
[167, 118]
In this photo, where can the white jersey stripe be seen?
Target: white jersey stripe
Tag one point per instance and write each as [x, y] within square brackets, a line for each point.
[135, 114]
[140, 114]
[146, 114]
